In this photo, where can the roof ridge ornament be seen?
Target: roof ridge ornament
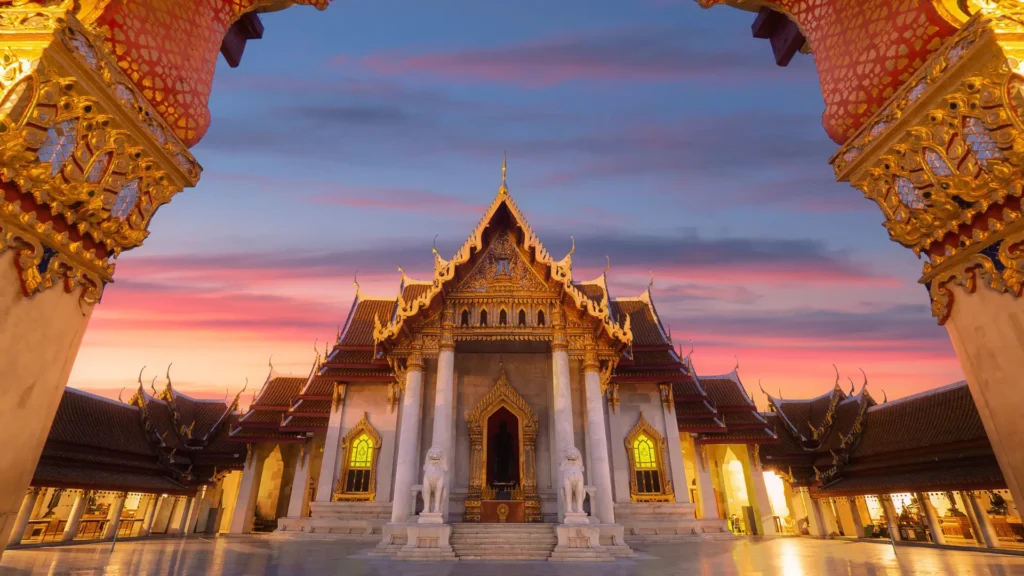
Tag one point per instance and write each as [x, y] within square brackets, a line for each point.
[865, 385]
[140, 377]
[503, 189]
[355, 282]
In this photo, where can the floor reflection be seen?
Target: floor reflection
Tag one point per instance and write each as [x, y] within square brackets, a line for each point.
[270, 556]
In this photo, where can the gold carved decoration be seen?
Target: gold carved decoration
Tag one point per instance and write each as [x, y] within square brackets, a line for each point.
[642, 429]
[944, 158]
[502, 512]
[703, 449]
[667, 399]
[394, 395]
[502, 269]
[85, 161]
[338, 396]
[613, 397]
[560, 272]
[502, 395]
[361, 427]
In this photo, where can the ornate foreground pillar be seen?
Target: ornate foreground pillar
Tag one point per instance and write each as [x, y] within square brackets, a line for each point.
[600, 467]
[675, 447]
[330, 463]
[248, 489]
[562, 394]
[300, 479]
[944, 160]
[932, 515]
[705, 484]
[407, 466]
[99, 100]
[891, 521]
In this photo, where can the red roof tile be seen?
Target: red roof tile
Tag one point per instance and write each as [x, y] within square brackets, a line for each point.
[89, 420]
[280, 391]
[359, 330]
[644, 325]
[935, 479]
[725, 392]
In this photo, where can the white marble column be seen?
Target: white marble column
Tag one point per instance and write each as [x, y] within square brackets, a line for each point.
[934, 522]
[564, 435]
[330, 463]
[114, 516]
[890, 517]
[986, 532]
[147, 521]
[297, 500]
[763, 504]
[407, 466]
[600, 469]
[675, 448]
[188, 503]
[24, 515]
[248, 490]
[193, 511]
[177, 516]
[815, 516]
[620, 466]
[444, 403]
[705, 484]
[77, 509]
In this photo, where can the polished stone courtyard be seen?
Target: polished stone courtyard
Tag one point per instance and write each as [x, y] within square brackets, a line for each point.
[254, 556]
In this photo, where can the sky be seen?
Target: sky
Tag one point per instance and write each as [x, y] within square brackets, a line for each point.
[658, 134]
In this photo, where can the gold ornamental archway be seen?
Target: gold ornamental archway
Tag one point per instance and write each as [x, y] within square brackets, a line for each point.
[502, 395]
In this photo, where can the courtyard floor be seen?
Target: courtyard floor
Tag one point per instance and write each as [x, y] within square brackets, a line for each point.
[255, 556]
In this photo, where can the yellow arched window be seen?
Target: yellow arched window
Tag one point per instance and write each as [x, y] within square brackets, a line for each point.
[358, 475]
[649, 481]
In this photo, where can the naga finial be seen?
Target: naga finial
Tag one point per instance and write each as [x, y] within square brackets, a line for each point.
[737, 367]
[152, 386]
[865, 385]
[119, 395]
[852, 387]
[651, 284]
[884, 397]
[270, 362]
[761, 387]
[433, 247]
[572, 249]
[837, 375]
[140, 376]
[169, 374]
[355, 281]
[608, 263]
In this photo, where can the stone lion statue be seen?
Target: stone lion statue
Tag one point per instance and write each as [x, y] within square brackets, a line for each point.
[573, 491]
[434, 473]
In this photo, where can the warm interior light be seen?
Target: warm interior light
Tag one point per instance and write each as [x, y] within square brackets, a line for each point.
[776, 494]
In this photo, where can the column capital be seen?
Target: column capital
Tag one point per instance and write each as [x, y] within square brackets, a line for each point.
[87, 160]
[944, 160]
[338, 395]
[414, 362]
[590, 362]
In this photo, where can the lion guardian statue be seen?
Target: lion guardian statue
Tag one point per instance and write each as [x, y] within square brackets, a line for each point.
[434, 473]
[573, 490]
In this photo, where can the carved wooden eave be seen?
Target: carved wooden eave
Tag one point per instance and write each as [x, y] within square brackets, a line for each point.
[559, 274]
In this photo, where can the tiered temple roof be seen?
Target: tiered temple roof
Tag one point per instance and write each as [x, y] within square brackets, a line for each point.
[848, 444]
[166, 442]
[718, 407]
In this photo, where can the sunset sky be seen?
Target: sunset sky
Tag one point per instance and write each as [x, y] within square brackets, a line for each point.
[657, 133]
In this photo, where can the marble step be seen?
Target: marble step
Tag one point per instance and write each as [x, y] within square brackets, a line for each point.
[503, 557]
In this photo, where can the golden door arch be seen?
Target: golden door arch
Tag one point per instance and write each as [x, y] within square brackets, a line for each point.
[502, 395]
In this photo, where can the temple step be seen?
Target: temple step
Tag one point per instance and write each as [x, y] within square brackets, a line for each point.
[503, 542]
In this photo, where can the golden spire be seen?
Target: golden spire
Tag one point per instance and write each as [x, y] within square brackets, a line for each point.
[503, 189]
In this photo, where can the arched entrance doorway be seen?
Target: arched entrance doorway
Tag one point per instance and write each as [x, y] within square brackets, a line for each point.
[503, 471]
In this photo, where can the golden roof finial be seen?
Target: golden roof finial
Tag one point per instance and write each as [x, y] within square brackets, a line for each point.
[355, 281]
[152, 386]
[119, 395]
[503, 189]
[651, 285]
[608, 265]
[736, 368]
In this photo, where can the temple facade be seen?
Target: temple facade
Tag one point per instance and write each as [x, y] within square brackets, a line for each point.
[501, 364]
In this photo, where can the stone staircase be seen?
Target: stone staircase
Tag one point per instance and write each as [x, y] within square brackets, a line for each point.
[473, 541]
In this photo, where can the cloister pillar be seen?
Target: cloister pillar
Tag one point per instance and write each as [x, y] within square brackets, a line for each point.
[891, 520]
[986, 532]
[600, 467]
[444, 399]
[194, 509]
[934, 522]
[762, 504]
[297, 501]
[248, 490]
[75, 518]
[24, 515]
[152, 503]
[407, 465]
[705, 484]
[815, 515]
[330, 463]
[114, 516]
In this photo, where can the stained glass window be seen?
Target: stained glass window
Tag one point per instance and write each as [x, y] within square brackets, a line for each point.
[643, 453]
[361, 453]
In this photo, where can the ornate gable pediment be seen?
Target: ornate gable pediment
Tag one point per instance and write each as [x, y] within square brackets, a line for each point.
[503, 268]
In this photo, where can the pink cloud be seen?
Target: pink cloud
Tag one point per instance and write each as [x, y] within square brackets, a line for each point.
[652, 54]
